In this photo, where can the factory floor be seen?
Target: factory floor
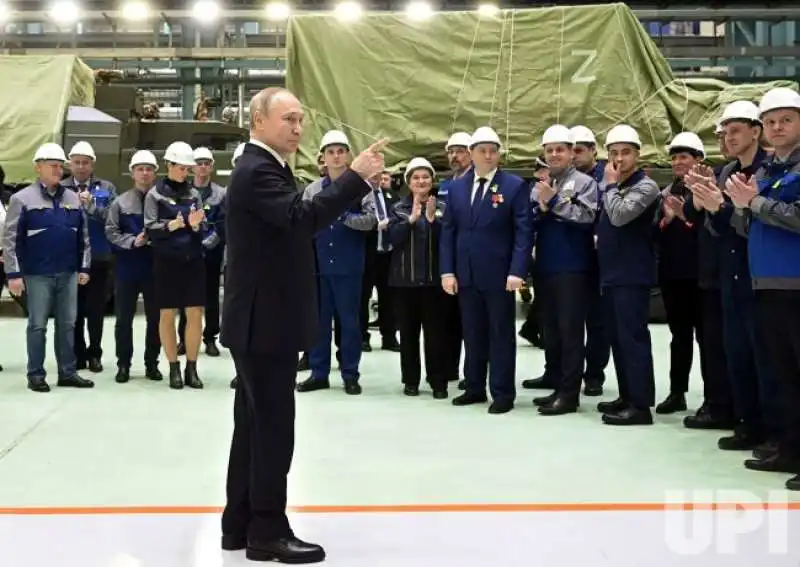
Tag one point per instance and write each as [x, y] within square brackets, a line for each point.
[133, 475]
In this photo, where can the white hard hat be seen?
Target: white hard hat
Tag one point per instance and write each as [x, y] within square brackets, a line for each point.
[557, 134]
[203, 154]
[582, 135]
[49, 152]
[237, 153]
[83, 149]
[687, 141]
[623, 134]
[143, 157]
[179, 153]
[418, 163]
[484, 135]
[334, 137]
[459, 139]
[778, 98]
[740, 110]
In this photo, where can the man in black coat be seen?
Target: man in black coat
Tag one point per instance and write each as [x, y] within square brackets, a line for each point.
[270, 315]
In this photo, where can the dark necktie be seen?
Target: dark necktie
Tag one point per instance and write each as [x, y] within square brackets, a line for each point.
[476, 201]
[379, 206]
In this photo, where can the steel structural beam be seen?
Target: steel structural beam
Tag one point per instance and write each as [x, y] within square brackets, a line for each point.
[728, 52]
[142, 53]
[268, 64]
[765, 14]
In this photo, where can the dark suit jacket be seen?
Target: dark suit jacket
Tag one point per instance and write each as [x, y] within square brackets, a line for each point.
[270, 304]
[483, 248]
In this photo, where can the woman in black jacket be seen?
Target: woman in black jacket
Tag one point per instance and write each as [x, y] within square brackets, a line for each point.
[414, 228]
[174, 223]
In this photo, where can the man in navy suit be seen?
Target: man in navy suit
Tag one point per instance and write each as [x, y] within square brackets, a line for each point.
[485, 246]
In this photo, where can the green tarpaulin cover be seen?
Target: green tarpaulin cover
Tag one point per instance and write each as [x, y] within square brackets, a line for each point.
[519, 72]
[37, 90]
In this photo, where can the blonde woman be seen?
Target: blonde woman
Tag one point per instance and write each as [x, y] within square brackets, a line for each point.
[414, 228]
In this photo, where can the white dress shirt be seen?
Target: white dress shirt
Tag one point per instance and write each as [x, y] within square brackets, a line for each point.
[264, 146]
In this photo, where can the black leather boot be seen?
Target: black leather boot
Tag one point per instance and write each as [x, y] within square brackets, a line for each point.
[123, 374]
[175, 378]
[192, 379]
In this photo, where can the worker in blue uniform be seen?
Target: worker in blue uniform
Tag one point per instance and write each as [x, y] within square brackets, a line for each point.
[486, 244]
[598, 347]
[213, 197]
[96, 196]
[766, 209]
[754, 389]
[460, 160]
[564, 211]
[340, 252]
[626, 256]
[133, 269]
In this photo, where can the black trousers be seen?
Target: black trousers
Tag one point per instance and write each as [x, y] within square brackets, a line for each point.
[779, 315]
[376, 275]
[452, 336]
[262, 446]
[419, 311]
[533, 328]
[213, 260]
[92, 299]
[598, 345]
[126, 296]
[682, 303]
[626, 309]
[564, 314]
[713, 361]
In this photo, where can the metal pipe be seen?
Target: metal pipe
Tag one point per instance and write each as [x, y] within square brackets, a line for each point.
[240, 100]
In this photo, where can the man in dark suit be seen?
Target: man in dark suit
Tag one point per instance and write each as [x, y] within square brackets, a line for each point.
[270, 315]
[485, 248]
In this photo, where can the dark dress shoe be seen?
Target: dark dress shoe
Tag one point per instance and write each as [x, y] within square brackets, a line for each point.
[286, 550]
[352, 387]
[95, 365]
[234, 382]
[497, 408]
[123, 374]
[440, 394]
[302, 364]
[75, 381]
[545, 400]
[313, 384]
[80, 364]
[411, 391]
[540, 383]
[672, 404]
[765, 450]
[793, 483]
[38, 384]
[468, 399]
[593, 388]
[629, 416]
[181, 348]
[561, 405]
[191, 377]
[365, 347]
[175, 376]
[741, 440]
[774, 463]
[151, 372]
[233, 542]
[393, 346]
[211, 348]
[615, 406]
[704, 419]
[462, 384]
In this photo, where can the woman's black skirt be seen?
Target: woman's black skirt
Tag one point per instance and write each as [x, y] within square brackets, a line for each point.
[179, 283]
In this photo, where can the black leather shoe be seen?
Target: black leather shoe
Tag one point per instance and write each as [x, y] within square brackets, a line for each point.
[706, 420]
[191, 376]
[440, 394]
[497, 408]
[123, 374]
[38, 385]
[95, 365]
[774, 463]
[672, 404]
[313, 384]
[302, 364]
[175, 376]
[181, 348]
[561, 405]
[211, 348]
[467, 399]
[365, 347]
[393, 346]
[352, 387]
[234, 382]
[286, 550]
[411, 391]
[151, 372]
[540, 383]
[545, 400]
[75, 381]
[593, 388]
[741, 440]
[765, 450]
[629, 416]
[615, 406]
[462, 385]
[793, 483]
[233, 542]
